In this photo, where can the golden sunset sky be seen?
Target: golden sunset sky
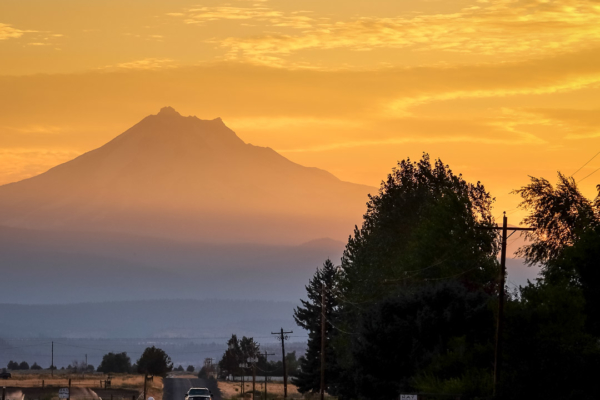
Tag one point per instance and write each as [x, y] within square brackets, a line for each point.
[499, 89]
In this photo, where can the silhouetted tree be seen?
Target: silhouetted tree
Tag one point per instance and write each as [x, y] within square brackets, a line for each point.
[424, 224]
[442, 331]
[547, 352]
[35, 367]
[154, 361]
[115, 363]
[566, 242]
[24, 366]
[179, 368]
[190, 368]
[308, 317]
[560, 216]
[12, 365]
[229, 363]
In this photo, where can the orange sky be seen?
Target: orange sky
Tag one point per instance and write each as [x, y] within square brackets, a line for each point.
[499, 89]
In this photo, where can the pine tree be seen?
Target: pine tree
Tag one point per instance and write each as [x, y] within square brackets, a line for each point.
[308, 316]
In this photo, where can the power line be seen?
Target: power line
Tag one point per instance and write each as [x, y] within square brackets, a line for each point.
[587, 176]
[585, 165]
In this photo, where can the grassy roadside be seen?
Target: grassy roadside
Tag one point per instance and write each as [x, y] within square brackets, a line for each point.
[91, 381]
[232, 390]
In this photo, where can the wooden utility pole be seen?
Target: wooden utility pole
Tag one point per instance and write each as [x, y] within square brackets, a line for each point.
[52, 362]
[253, 380]
[266, 356]
[145, 380]
[4, 393]
[323, 322]
[69, 398]
[283, 336]
[501, 296]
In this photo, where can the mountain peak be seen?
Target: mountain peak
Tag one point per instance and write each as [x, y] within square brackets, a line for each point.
[168, 111]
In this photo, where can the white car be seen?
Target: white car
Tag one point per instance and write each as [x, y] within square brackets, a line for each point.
[198, 394]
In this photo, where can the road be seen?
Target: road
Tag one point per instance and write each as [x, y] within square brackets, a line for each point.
[175, 387]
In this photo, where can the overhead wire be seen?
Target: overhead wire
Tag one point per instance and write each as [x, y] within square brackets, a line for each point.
[587, 176]
[580, 168]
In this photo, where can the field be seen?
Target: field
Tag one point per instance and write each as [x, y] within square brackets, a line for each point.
[231, 390]
[85, 386]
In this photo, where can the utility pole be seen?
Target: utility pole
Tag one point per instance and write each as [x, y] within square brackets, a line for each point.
[145, 380]
[242, 366]
[253, 361]
[266, 371]
[283, 336]
[501, 296]
[69, 398]
[52, 362]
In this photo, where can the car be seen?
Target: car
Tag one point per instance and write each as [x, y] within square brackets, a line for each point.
[198, 394]
[5, 375]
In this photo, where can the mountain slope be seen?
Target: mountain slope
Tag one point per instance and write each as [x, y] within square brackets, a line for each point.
[187, 178]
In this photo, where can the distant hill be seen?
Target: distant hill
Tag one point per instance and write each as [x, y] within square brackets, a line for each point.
[66, 267]
[186, 178]
[211, 319]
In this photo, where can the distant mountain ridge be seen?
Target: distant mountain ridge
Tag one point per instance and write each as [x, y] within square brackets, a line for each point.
[186, 178]
[72, 267]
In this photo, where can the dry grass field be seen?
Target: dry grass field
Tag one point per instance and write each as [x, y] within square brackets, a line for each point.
[91, 381]
[231, 390]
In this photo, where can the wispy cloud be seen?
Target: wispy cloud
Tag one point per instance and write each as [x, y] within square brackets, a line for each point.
[511, 28]
[511, 141]
[574, 123]
[260, 13]
[8, 32]
[145, 64]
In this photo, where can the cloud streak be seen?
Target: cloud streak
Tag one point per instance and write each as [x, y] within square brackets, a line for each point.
[8, 32]
[506, 28]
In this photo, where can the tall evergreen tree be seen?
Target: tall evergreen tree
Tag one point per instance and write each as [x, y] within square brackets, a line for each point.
[238, 351]
[308, 316]
[232, 357]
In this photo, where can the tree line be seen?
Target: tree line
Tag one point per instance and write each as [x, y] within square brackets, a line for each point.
[239, 351]
[412, 306]
[153, 361]
[23, 366]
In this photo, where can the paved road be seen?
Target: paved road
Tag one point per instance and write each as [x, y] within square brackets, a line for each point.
[175, 388]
